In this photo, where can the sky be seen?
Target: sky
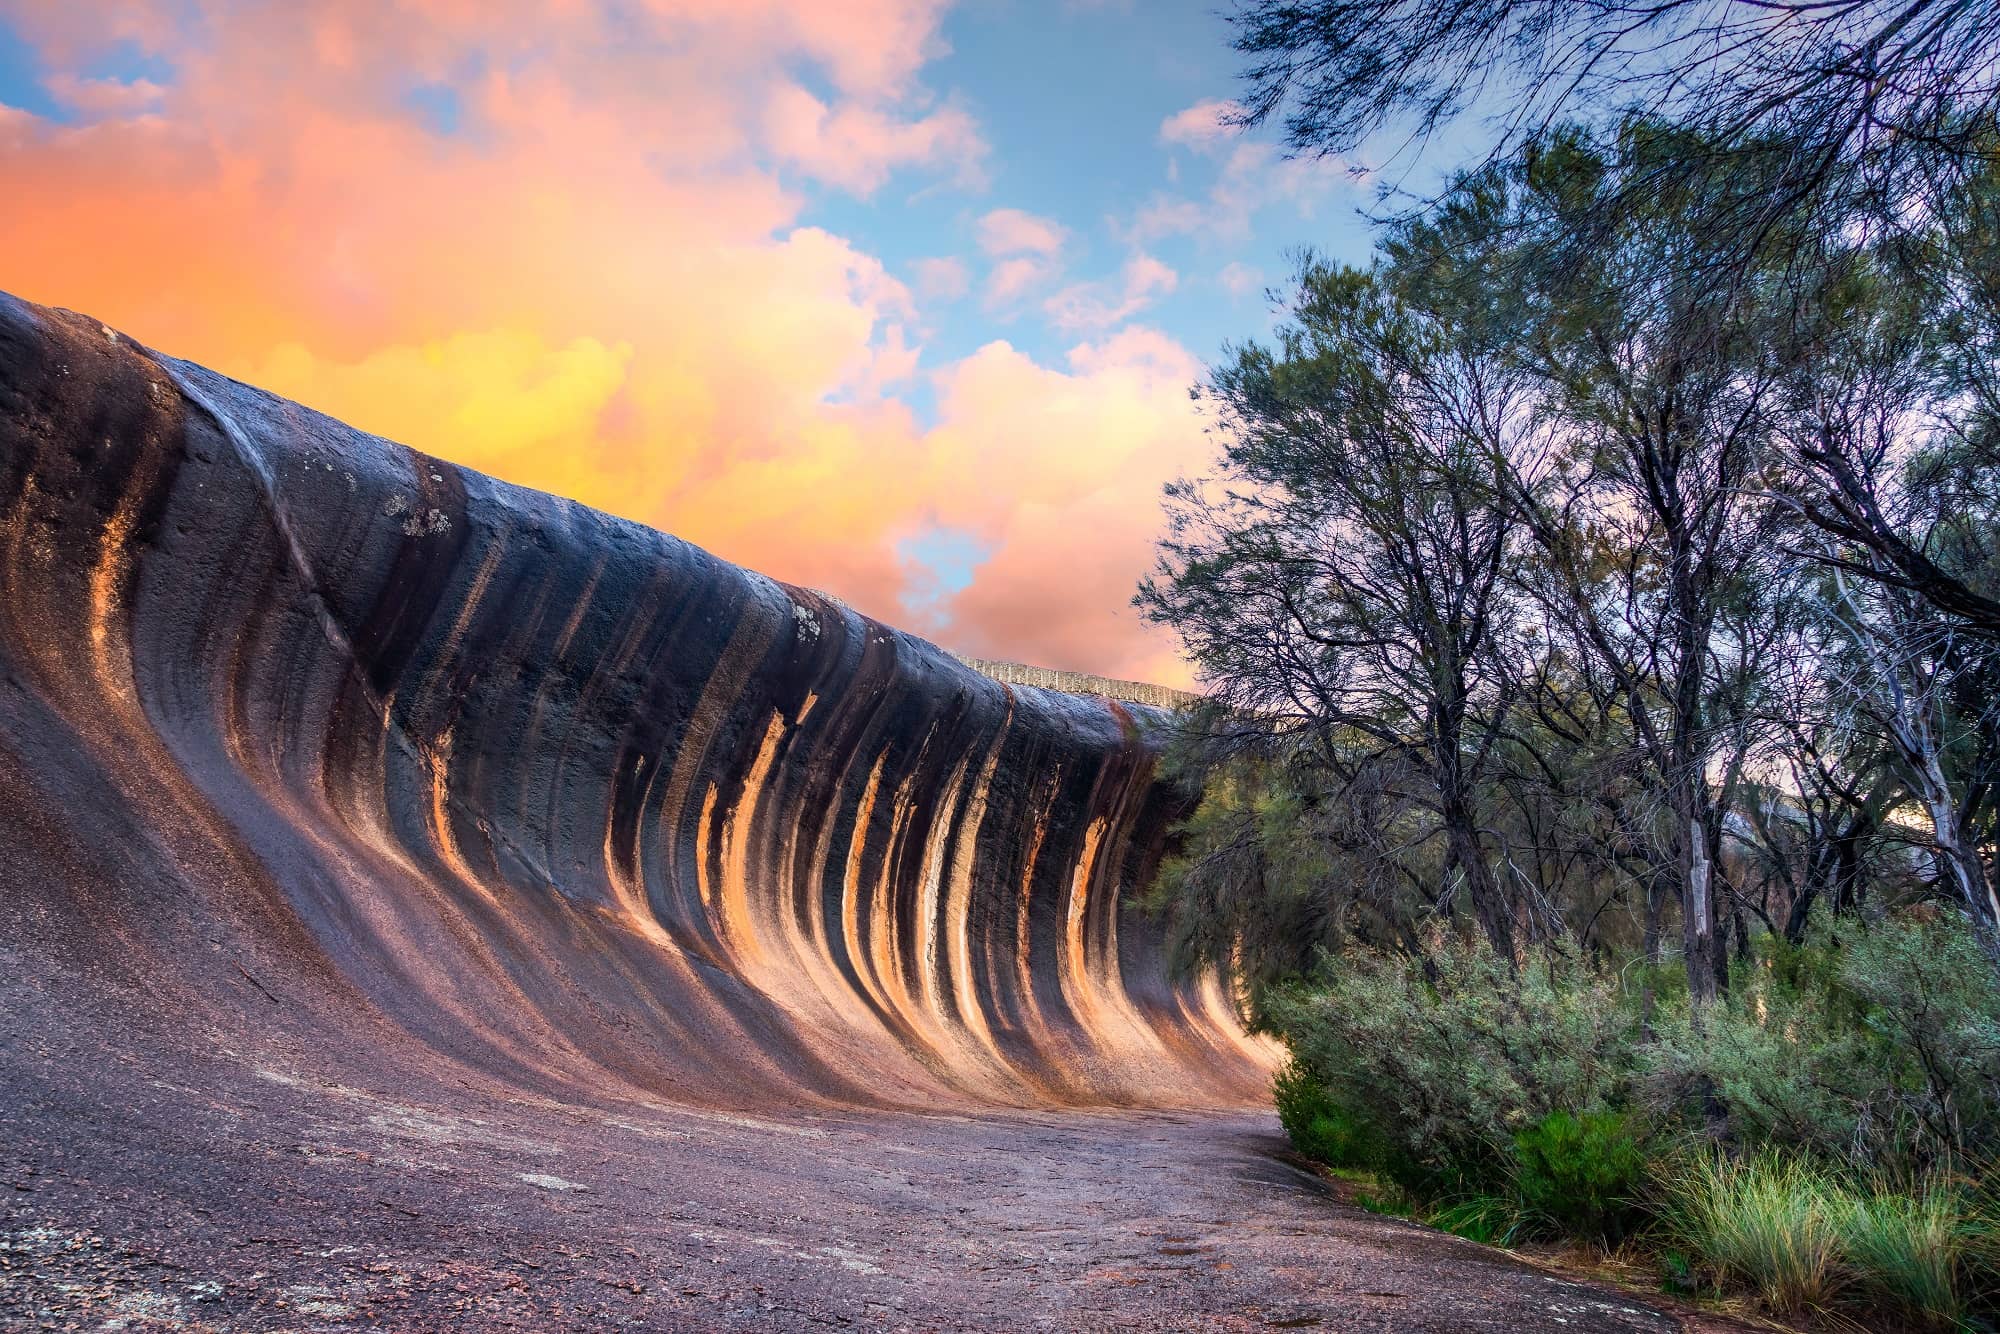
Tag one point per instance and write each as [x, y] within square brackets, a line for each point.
[896, 299]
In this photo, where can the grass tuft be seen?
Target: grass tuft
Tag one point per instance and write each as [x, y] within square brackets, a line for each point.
[1491, 1220]
[1773, 1225]
[1908, 1252]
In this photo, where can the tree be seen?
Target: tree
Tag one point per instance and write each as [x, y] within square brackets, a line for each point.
[1892, 422]
[1912, 359]
[1651, 537]
[1914, 670]
[1342, 579]
[1871, 118]
[1843, 103]
[1818, 827]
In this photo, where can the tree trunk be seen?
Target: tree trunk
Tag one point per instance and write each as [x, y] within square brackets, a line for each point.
[1819, 876]
[1961, 864]
[1846, 882]
[1801, 913]
[1698, 942]
[1489, 905]
[1464, 850]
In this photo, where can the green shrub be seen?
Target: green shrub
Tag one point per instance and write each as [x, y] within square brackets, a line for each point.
[1497, 1102]
[1320, 1128]
[1582, 1175]
[1928, 998]
[1441, 1072]
[1908, 1252]
[1883, 1051]
[1301, 1099]
[1772, 1225]
[1773, 1055]
[1491, 1220]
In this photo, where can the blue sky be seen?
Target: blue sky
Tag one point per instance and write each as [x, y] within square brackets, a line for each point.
[1072, 99]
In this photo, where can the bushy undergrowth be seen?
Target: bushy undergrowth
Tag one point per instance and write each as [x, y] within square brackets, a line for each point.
[1883, 1052]
[1432, 1076]
[1584, 1176]
[1813, 1139]
[1319, 1127]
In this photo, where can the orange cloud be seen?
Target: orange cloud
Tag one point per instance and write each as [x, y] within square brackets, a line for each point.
[1059, 473]
[602, 284]
[503, 396]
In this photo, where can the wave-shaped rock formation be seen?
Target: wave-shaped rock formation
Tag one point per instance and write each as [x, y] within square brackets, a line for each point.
[303, 729]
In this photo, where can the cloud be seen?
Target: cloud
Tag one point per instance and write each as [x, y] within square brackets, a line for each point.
[603, 281]
[1028, 249]
[1011, 231]
[503, 393]
[857, 146]
[1098, 305]
[1240, 279]
[943, 278]
[1203, 125]
[1057, 473]
[1252, 177]
[1012, 279]
[105, 97]
[867, 46]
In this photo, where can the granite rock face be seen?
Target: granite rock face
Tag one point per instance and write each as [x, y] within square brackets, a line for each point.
[303, 732]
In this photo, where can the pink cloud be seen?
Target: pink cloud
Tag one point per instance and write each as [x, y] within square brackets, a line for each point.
[1240, 279]
[1012, 231]
[1201, 126]
[105, 97]
[873, 47]
[1013, 279]
[1252, 177]
[943, 278]
[1100, 305]
[1058, 472]
[857, 146]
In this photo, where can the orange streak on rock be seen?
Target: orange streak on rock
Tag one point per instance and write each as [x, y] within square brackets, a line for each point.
[958, 909]
[107, 639]
[734, 920]
[850, 888]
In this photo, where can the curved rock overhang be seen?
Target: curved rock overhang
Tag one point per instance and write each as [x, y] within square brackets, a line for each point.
[304, 731]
